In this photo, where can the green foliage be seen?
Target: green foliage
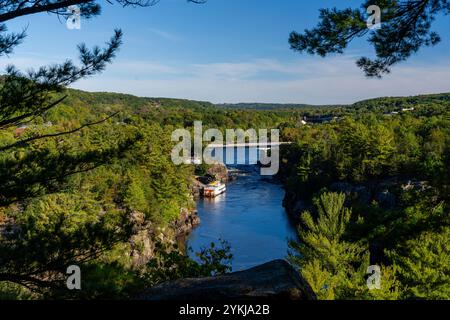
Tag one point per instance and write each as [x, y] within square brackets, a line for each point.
[108, 278]
[424, 265]
[368, 148]
[325, 260]
[169, 264]
[13, 291]
[70, 197]
[334, 267]
[134, 197]
[395, 144]
[53, 232]
[405, 28]
[84, 219]
[68, 187]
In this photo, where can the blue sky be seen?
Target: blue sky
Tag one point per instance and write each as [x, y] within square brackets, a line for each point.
[227, 51]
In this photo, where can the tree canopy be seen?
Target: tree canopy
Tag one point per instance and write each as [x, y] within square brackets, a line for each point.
[52, 215]
[405, 28]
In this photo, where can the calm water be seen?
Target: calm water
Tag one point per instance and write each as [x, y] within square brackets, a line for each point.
[249, 216]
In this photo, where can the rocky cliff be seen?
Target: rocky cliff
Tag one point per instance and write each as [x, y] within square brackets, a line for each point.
[142, 243]
[219, 171]
[385, 192]
[274, 280]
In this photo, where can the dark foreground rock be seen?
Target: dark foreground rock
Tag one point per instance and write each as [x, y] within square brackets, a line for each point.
[275, 280]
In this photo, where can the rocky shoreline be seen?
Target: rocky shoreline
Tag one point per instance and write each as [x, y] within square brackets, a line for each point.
[275, 280]
[145, 235]
[142, 243]
[385, 192]
[217, 172]
[187, 221]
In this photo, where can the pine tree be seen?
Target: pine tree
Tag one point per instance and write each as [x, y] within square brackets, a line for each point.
[405, 28]
[40, 164]
[335, 268]
[423, 265]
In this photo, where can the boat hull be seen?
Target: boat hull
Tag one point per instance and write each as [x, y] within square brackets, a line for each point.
[209, 192]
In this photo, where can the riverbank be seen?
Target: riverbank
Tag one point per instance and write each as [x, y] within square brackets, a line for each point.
[145, 235]
[249, 216]
[387, 193]
[216, 172]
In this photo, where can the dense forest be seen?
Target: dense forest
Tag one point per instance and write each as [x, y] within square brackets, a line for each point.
[372, 188]
[373, 184]
[103, 215]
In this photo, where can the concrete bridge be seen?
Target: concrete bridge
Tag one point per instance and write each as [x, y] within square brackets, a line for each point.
[248, 144]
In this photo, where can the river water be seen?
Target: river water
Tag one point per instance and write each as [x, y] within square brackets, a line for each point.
[249, 216]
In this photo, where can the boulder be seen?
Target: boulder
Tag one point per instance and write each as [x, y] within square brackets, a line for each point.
[275, 280]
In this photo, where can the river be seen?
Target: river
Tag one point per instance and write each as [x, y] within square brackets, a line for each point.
[249, 216]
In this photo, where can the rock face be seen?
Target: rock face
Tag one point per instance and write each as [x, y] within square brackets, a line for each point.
[294, 206]
[197, 188]
[275, 280]
[215, 172]
[385, 192]
[142, 243]
[219, 171]
[187, 221]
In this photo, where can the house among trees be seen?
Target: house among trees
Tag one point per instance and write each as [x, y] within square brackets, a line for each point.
[392, 113]
[318, 119]
[19, 131]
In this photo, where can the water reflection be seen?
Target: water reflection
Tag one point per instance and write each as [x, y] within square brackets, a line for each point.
[249, 216]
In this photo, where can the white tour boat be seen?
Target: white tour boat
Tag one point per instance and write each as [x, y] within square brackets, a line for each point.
[214, 189]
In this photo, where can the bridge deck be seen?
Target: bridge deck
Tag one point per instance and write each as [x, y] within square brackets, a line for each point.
[252, 144]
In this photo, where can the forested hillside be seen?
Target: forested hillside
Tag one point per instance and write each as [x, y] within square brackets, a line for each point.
[372, 188]
[109, 215]
[388, 167]
[169, 112]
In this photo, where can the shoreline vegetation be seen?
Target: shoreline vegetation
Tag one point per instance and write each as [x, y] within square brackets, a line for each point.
[369, 186]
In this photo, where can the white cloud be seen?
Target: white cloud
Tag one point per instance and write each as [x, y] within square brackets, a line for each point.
[137, 68]
[303, 80]
[315, 81]
[163, 34]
